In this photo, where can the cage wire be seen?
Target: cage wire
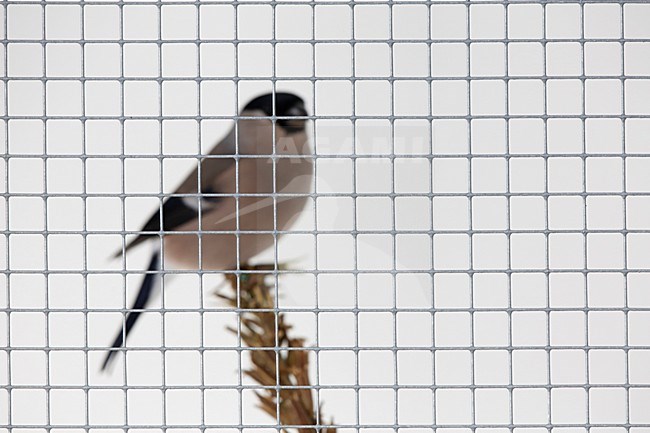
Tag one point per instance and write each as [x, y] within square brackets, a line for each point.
[474, 254]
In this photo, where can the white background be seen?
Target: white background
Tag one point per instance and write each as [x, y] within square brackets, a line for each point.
[536, 311]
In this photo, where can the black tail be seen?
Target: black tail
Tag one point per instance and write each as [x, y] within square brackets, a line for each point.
[140, 302]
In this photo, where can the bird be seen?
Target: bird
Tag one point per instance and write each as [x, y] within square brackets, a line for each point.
[232, 192]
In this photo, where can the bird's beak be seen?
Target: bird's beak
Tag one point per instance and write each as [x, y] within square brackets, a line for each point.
[294, 125]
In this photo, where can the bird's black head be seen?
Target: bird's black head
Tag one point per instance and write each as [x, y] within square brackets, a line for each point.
[286, 105]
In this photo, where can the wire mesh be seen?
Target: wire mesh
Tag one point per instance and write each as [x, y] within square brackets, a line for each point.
[473, 254]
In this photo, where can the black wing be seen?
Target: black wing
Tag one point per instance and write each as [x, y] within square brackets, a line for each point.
[175, 212]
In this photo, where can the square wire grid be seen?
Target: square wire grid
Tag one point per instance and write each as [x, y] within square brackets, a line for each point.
[477, 224]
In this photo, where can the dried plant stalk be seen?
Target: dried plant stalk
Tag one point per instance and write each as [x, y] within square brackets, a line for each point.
[258, 329]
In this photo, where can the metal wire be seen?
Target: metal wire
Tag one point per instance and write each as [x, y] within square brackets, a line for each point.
[528, 318]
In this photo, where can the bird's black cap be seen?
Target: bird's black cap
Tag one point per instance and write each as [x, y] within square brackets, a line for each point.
[286, 105]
